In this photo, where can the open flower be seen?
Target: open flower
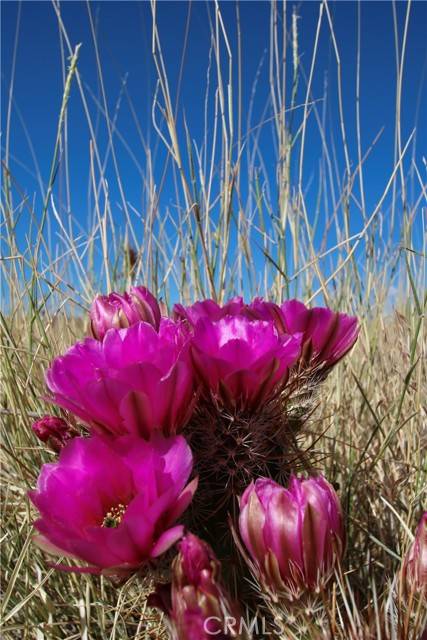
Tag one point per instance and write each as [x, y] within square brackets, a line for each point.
[257, 309]
[117, 311]
[196, 604]
[415, 562]
[54, 431]
[241, 362]
[114, 505]
[294, 536]
[326, 335]
[135, 380]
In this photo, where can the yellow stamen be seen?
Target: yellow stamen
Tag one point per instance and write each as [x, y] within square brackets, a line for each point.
[114, 516]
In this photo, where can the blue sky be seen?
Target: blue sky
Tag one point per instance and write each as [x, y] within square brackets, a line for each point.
[124, 38]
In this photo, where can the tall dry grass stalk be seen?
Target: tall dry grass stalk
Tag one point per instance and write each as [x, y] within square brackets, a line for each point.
[234, 228]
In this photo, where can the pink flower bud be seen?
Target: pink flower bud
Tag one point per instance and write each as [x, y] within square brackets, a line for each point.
[294, 536]
[196, 604]
[119, 311]
[53, 430]
[415, 562]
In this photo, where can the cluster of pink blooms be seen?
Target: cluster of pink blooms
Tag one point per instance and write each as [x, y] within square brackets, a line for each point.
[115, 499]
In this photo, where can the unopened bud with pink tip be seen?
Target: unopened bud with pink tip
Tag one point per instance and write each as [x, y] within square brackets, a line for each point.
[54, 431]
[120, 311]
[414, 567]
[196, 605]
[294, 537]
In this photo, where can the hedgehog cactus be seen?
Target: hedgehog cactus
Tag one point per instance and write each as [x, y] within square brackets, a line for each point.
[237, 383]
[259, 366]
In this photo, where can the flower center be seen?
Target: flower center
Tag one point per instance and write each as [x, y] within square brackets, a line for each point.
[114, 516]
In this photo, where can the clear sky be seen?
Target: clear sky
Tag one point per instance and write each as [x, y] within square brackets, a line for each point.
[124, 39]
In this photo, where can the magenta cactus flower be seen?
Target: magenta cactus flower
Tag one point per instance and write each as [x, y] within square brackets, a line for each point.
[208, 309]
[327, 335]
[196, 604]
[241, 362]
[258, 309]
[118, 311]
[294, 536]
[415, 562]
[54, 431]
[114, 505]
[134, 381]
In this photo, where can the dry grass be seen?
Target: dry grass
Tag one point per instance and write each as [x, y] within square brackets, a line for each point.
[370, 426]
